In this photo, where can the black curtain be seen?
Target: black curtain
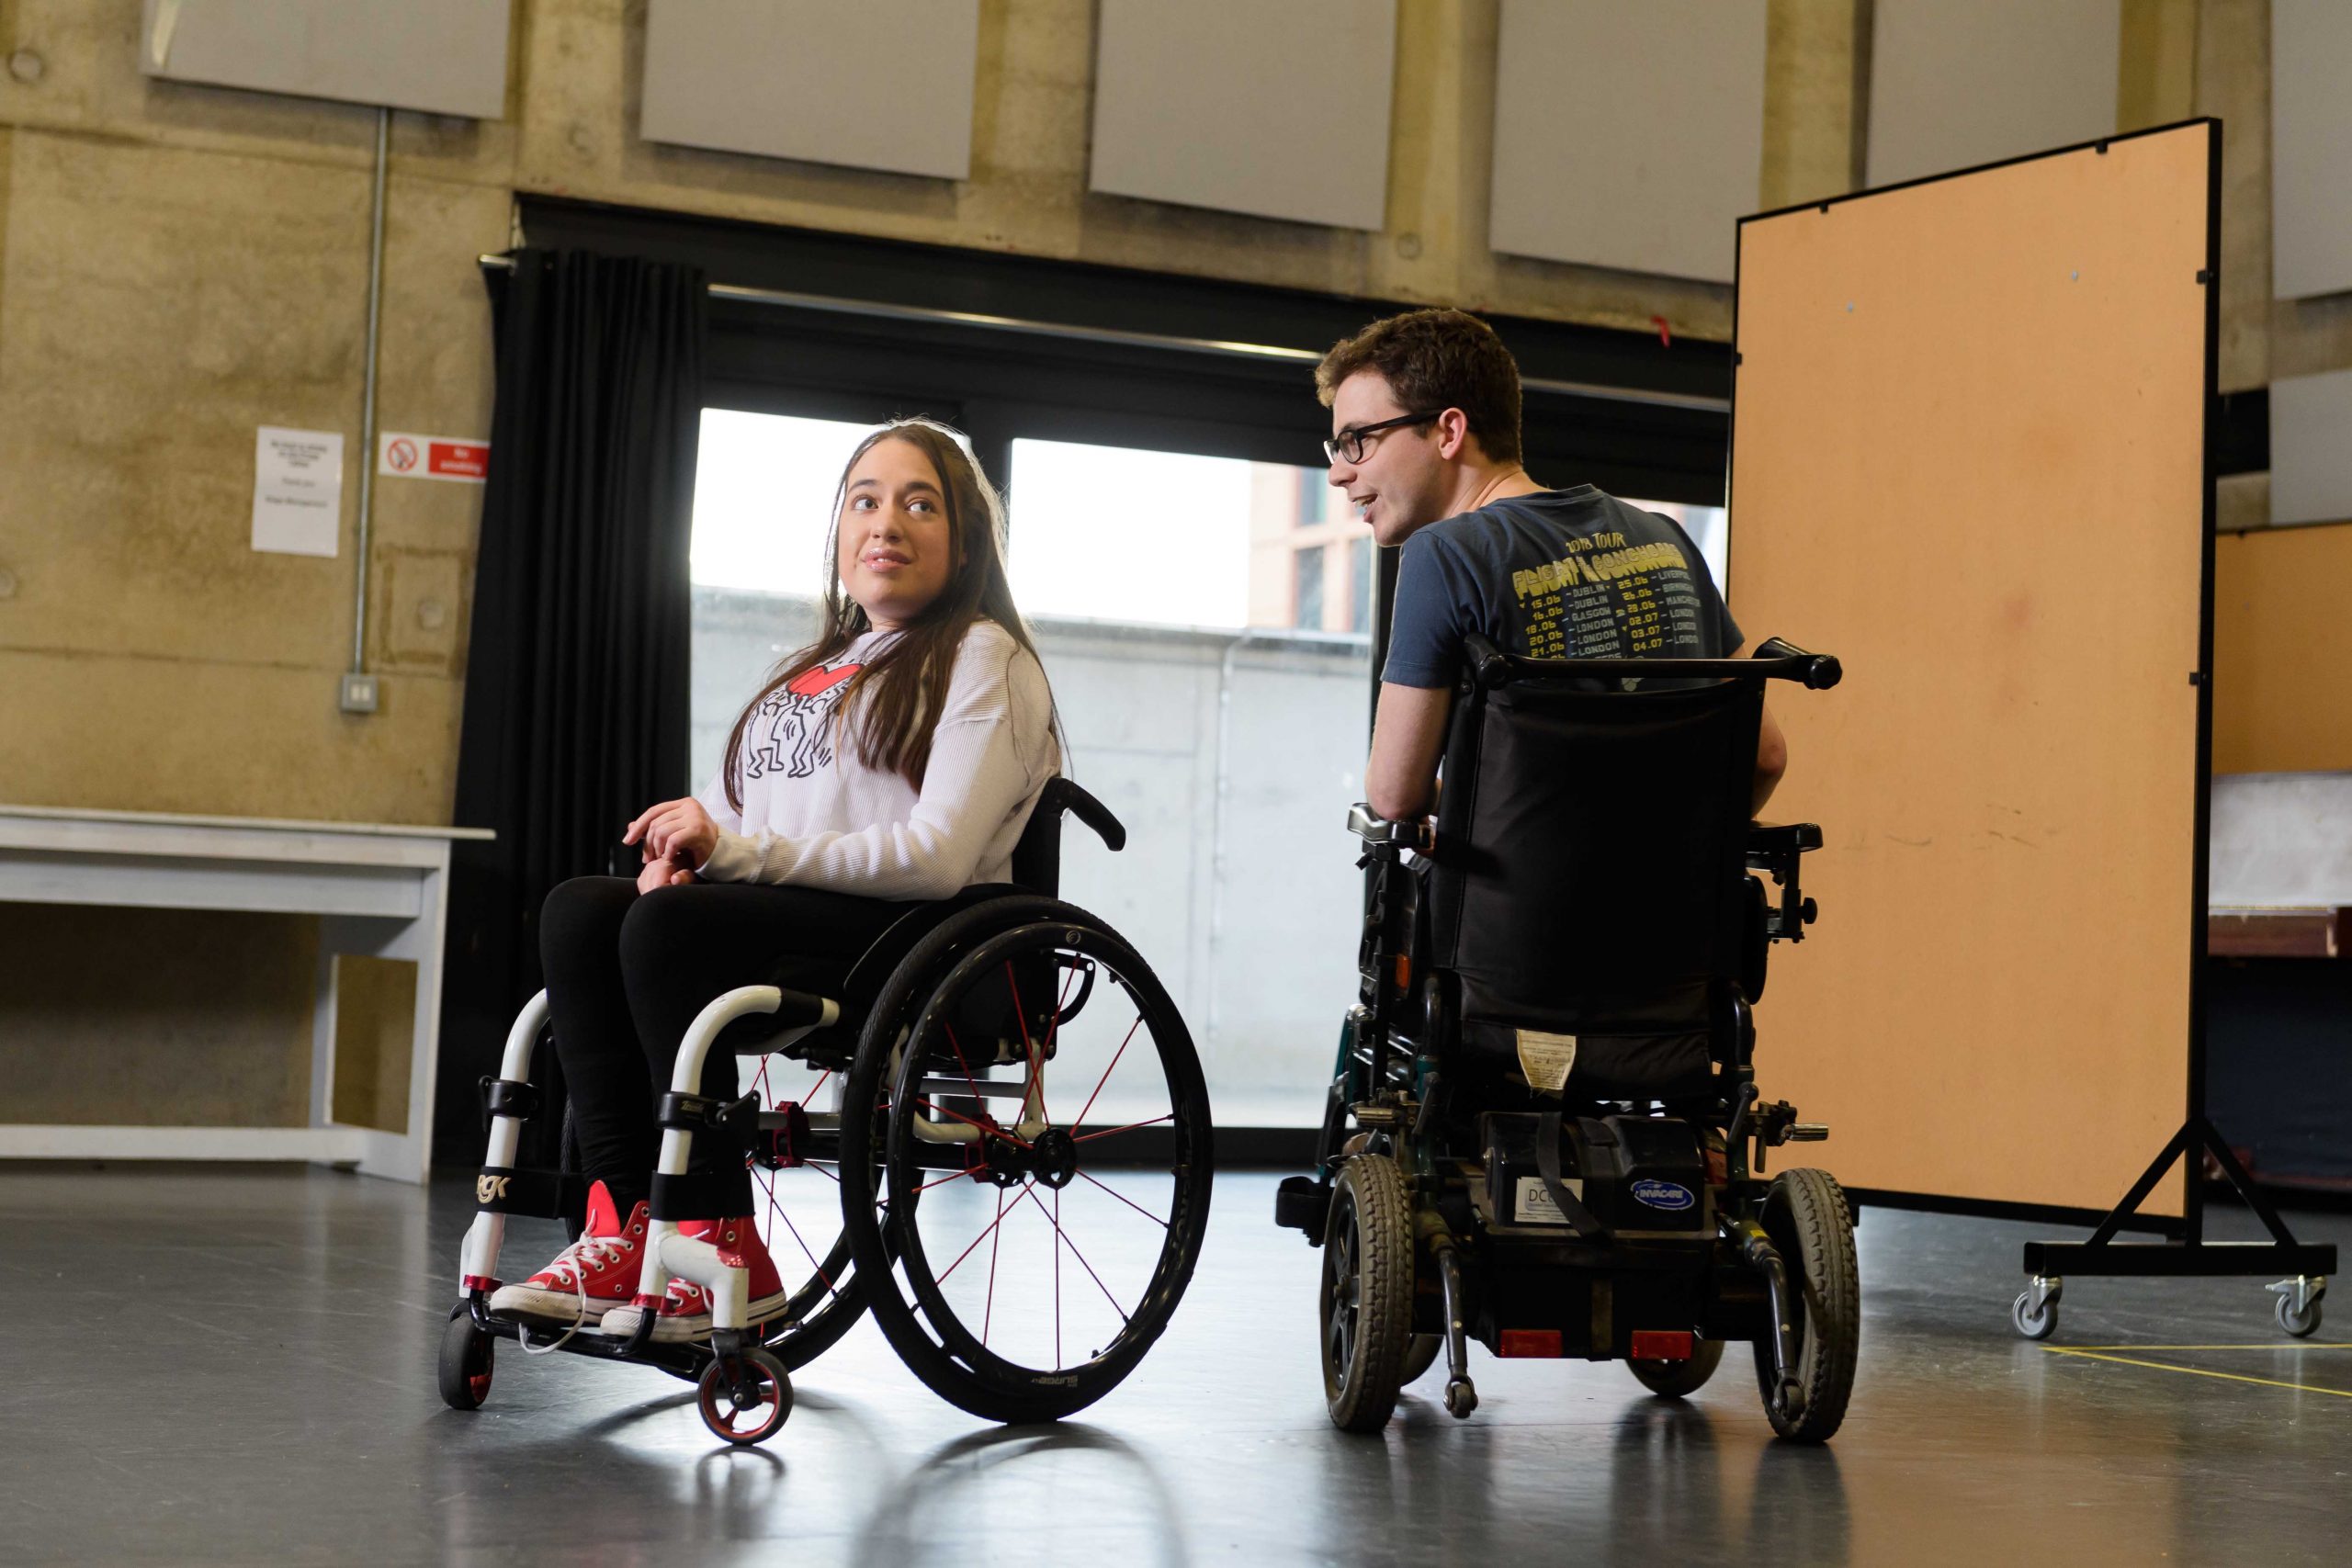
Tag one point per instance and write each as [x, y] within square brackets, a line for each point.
[576, 712]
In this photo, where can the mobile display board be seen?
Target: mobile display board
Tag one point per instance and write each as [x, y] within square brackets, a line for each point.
[1969, 459]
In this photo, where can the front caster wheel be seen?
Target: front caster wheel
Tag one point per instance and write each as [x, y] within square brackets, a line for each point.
[1461, 1398]
[466, 1363]
[2032, 1322]
[749, 1410]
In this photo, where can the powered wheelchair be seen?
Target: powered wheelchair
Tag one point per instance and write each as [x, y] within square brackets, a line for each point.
[1543, 1130]
[991, 1131]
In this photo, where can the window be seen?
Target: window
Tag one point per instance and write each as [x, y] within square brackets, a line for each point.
[1309, 564]
[1363, 574]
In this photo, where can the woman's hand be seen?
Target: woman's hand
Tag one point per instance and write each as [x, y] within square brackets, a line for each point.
[663, 874]
[675, 830]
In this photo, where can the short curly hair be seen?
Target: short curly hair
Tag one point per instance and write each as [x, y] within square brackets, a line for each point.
[1433, 360]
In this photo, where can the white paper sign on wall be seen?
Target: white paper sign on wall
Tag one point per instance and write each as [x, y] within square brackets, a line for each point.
[297, 491]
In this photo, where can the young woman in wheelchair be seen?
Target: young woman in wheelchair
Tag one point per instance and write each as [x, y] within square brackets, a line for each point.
[895, 759]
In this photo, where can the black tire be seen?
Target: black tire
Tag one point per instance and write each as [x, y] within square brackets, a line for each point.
[1806, 1216]
[1680, 1380]
[899, 1238]
[1420, 1357]
[1365, 1313]
[763, 1418]
[463, 1371]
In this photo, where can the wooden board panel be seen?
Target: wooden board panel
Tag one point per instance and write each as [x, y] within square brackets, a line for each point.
[2282, 652]
[1968, 459]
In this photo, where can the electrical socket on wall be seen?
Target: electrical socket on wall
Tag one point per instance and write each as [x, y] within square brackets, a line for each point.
[359, 692]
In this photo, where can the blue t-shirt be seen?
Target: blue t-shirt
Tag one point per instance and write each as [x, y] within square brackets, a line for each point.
[1559, 574]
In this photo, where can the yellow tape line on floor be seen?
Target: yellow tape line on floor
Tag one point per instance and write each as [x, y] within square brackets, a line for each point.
[2202, 1372]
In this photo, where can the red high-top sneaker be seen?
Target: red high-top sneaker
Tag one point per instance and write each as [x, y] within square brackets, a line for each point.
[589, 1277]
[685, 1307]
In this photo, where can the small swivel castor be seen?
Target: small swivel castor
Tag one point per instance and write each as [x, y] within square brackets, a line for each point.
[1461, 1398]
[466, 1362]
[2297, 1308]
[744, 1398]
[2035, 1311]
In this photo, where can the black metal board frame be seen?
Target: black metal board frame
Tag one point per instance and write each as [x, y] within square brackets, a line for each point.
[2189, 1255]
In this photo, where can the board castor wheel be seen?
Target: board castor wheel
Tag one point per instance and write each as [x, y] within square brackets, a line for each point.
[2297, 1308]
[466, 1362]
[2035, 1311]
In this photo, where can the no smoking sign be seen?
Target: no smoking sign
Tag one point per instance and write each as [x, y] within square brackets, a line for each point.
[403, 455]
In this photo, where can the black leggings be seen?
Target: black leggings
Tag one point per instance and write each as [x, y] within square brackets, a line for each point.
[627, 972]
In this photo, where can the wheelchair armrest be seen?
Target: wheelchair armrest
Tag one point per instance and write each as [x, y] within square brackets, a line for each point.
[1373, 829]
[1769, 844]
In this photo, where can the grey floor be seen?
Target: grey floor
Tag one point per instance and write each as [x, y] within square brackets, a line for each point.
[236, 1367]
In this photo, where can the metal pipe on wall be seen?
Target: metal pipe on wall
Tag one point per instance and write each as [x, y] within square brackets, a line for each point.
[368, 403]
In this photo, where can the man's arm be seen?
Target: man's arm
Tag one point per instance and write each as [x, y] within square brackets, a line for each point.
[1408, 735]
[1772, 762]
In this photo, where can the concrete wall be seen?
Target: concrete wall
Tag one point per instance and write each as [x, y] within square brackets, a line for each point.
[179, 264]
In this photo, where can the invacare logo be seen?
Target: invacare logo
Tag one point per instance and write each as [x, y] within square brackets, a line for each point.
[1667, 1195]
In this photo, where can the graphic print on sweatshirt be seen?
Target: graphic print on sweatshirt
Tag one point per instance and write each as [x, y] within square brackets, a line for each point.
[797, 723]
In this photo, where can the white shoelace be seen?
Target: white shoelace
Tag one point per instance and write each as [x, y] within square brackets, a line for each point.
[598, 1249]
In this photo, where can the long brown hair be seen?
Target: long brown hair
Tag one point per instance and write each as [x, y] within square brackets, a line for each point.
[904, 686]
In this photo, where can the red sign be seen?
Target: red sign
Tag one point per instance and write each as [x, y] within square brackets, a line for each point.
[406, 456]
[457, 459]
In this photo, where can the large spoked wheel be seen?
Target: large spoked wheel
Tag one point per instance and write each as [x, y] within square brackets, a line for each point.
[1042, 1177]
[466, 1363]
[1367, 1306]
[1680, 1380]
[796, 1204]
[1806, 1216]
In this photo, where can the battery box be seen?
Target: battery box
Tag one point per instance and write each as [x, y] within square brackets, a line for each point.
[1640, 1175]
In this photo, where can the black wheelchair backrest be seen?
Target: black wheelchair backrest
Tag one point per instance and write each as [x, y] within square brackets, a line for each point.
[1590, 848]
[1038, 858]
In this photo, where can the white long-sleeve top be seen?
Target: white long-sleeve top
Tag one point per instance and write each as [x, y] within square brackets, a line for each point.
[815, 816]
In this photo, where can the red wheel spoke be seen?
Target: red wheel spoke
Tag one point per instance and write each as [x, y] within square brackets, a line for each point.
[969, 1168]
[1114, 1132]
[988, 1312]
[959, 1047]
[1130, 1202]
[1074, 1252]
[968, 1252]
[1056, 1218]
[829, 1176]
[1108, 1071]
[1028, 1046]
[990, 1128]
[804, 1248]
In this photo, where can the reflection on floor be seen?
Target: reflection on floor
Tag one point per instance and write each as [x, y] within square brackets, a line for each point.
[211, 1367]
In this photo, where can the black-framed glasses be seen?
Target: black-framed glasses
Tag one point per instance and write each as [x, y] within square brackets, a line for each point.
[1349, 444]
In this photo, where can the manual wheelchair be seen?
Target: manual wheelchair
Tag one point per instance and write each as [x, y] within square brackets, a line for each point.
[1543, 1131]
[998, 1081]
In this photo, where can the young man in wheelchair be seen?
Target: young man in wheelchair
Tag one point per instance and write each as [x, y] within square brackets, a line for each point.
[1539, 1129]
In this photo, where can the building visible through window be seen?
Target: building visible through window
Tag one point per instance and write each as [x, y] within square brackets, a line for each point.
[1308, 616]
